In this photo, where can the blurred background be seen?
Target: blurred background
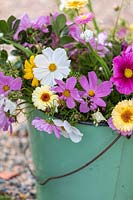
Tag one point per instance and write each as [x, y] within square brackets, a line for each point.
[16, 181]
[104, 9]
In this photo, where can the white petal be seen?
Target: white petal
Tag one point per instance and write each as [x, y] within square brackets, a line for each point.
[58, 122]
[48, 80]
[67, 126]
[41, 61]
[40, 73]
[48, 54]
[75, 135]
[59, 55]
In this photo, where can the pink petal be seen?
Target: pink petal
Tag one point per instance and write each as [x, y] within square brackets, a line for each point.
[92, 80]
[104, 89]
[70, 83]
[84, 107]
[84, 83]
[70, 102]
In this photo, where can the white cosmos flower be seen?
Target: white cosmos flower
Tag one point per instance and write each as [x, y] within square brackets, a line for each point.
[69, 131]
[51, 65]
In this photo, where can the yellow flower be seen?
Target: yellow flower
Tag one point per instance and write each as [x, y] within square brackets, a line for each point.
[75, 4]
[43, 98]
[28, 70]
[122, 116]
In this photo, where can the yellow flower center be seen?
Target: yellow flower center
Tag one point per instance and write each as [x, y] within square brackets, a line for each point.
[127, 116]
[45, 97]
[52, 67]
[128, 73]
[66, 93]
[6, 88]
[91, 93]
[83, 17]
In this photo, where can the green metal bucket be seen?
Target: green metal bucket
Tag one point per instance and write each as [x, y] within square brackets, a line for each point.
[108, 178]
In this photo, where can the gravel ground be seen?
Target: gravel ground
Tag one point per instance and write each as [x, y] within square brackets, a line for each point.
[17, 180]
[22, 186]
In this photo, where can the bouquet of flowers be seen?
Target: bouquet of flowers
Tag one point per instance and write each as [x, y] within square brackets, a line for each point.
[68, 68]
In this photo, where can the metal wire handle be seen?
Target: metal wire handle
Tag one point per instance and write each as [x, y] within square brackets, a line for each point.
[75, 170]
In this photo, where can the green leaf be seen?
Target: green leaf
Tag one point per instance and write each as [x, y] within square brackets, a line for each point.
[66, 40]
[10, 21]
[3, 55]
[16, 24]
[60, 22]
[4, 27]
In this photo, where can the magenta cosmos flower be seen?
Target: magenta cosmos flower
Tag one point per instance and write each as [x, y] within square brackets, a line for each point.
[8, 83]
[49, 127]
[68, 92]
[93, 92]
[123, 73]
[84, 18]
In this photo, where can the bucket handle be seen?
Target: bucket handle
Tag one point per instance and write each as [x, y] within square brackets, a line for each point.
[75, 170]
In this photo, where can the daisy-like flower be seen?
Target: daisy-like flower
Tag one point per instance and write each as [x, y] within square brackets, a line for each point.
[75, 4]
[28, 70]
[122, 117]
[51, 65]
[123, 73]
[68, 92]
[43, 98]
[84, 18]
[68, 131]
[49, 127]
[8, 84]
[94, 92]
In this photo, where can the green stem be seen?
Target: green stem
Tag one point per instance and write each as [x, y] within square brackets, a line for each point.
[25, 50]
[117, 19]
[107, 73]
[94, 19]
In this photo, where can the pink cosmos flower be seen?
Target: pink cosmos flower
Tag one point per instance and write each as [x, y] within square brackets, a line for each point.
[68, 92]
[43, 125]
[8, 83]
[111, 125]
[123, 73]
[93, 92]
[84, 18]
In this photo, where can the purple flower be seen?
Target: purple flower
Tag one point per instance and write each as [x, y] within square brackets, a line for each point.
[93, 92]
[68, 92]
[111, 125]
[123, 73]
[100, 44]
[41, 23]
[24, 24]
[43, 125]
[129, 49]
[122, 32]
[8, 83]
[75, 32]
[5, 121]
